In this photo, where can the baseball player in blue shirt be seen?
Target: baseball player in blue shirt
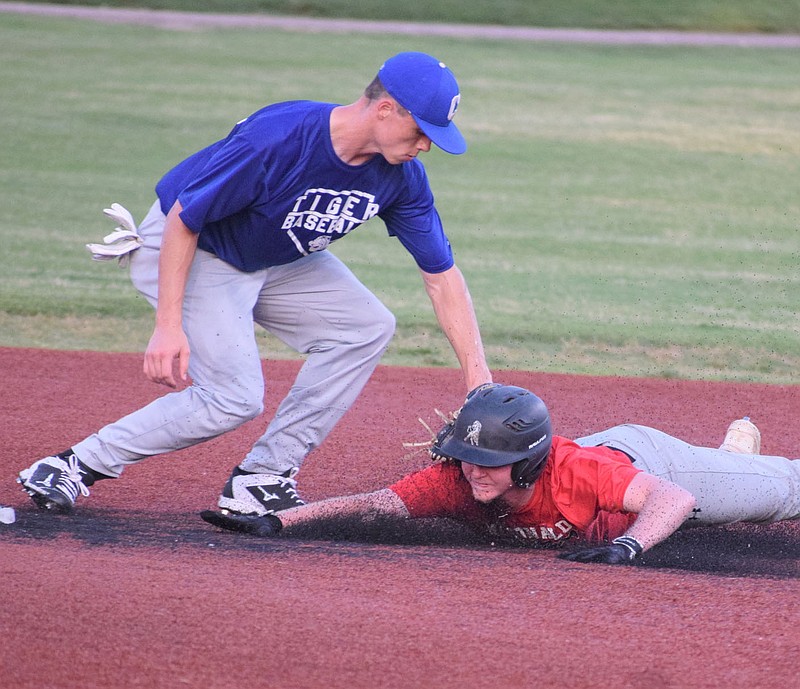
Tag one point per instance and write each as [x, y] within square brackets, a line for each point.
[237, 236]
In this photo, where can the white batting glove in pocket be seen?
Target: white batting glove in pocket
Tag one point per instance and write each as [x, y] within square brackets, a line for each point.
[122, 241]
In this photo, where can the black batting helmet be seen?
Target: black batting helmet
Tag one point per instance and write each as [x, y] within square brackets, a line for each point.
[500, 425]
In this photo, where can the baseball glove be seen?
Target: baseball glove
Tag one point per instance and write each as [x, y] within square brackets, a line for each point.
[427, 445]
[448, 420]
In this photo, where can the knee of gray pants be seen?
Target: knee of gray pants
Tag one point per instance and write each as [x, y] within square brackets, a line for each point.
[234, 403]
[368, 335]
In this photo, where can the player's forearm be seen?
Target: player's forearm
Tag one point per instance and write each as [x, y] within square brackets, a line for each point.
[453, 307]
[661, 510]
[381, 503]
[661, 507]
[178, 248]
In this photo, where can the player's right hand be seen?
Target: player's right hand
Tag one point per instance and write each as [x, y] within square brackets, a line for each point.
[167, 354]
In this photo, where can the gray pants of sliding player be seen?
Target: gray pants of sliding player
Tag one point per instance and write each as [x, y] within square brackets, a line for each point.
[728, 487]
[315, 305]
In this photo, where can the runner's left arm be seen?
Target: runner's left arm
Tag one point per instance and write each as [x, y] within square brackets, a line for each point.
[662, 506]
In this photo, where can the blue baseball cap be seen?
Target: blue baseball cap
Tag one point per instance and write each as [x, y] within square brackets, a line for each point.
[428, 90]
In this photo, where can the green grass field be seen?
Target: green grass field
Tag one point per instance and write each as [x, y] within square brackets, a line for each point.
[697, 15]
[622, 210]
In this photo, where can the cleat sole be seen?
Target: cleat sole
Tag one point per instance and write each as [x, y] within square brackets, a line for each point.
[47, 503]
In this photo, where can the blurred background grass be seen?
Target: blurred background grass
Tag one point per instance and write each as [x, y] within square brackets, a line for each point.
[698, 15]
[622, 210]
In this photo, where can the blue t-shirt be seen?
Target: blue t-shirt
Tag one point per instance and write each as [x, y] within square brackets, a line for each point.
[274, 190]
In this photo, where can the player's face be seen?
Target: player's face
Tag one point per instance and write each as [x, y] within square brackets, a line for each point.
[487, 483]
[400, 138]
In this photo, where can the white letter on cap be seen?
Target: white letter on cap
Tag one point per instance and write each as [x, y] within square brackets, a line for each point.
[453, 106]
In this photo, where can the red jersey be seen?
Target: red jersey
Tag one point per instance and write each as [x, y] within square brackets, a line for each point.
[580, 492]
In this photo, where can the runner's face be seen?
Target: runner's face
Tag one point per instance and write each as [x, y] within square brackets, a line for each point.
[400, 137]
[487, 483]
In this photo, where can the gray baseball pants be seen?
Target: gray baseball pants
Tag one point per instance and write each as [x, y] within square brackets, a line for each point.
[315, 305]
[728, 487]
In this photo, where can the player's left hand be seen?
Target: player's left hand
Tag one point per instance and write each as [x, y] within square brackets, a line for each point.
[621, 551]
[265, 525]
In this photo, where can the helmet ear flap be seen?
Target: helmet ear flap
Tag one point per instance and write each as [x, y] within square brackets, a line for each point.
[525, 472]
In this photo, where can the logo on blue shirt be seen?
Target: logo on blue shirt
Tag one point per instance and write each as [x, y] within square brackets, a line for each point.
[327, 212]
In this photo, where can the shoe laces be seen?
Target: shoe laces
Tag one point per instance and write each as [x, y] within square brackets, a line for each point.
[73, 473]
[289, 483]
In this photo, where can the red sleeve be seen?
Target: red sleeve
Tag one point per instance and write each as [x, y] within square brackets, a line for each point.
[439, 490]
[590, 479]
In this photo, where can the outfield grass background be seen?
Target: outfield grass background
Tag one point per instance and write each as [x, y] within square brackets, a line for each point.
[695, 15]
[622, 210]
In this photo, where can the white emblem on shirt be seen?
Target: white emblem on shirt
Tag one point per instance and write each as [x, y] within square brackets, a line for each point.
[331, 212]
[319, 244]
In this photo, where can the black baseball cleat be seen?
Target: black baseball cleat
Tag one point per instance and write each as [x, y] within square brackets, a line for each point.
[259, 494]
[54, 483]
[255, 525]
